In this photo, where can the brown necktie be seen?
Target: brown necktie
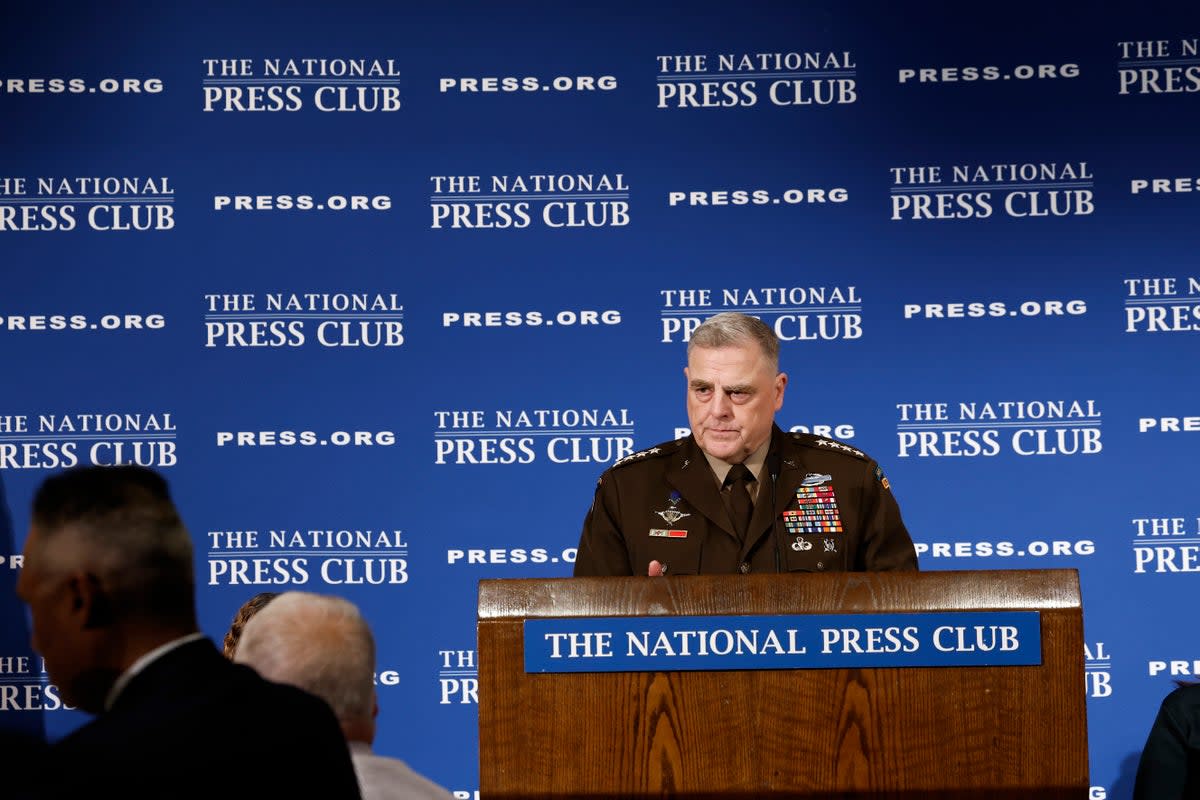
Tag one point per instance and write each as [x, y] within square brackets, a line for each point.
[740, 506]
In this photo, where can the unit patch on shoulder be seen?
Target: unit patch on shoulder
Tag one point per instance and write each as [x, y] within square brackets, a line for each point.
[883, 481]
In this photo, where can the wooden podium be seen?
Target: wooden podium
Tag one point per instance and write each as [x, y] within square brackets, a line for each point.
[908, 732]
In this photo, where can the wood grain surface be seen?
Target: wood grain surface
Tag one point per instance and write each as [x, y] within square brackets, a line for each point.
[968, 732]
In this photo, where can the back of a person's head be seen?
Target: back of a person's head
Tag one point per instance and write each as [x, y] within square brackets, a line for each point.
[247, 610]
[120, 524]
[319, 643]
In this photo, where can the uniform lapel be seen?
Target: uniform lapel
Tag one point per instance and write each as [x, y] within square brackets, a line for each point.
[791, 475]
[690, 475]
[782, 487]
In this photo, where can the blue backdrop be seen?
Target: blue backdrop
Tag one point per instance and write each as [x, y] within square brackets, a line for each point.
[384, 287]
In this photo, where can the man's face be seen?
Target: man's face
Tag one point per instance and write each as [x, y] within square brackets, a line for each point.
[57, 618]
[733, 395]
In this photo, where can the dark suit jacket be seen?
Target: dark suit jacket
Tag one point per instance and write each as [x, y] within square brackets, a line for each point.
[833, 510]
[1169, 768]
[193, 725]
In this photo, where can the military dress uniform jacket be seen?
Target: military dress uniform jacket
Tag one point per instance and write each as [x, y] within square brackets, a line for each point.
[822, 506]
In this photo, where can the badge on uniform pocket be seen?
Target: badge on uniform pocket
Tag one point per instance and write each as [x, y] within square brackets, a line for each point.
[673, 514]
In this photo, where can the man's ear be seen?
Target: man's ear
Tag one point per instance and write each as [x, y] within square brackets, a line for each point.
[89, 601]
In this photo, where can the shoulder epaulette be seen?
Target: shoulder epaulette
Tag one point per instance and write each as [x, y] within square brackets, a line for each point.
[831, 445]
[666, 448]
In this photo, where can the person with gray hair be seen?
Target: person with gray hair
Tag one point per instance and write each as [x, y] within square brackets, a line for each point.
[109, 582]
[322, 644]
[739, 495]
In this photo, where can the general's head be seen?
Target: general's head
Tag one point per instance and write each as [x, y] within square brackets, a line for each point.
[107, 573]
[734, 386]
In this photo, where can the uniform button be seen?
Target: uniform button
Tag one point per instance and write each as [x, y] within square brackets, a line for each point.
[743, 567]
[820, 565]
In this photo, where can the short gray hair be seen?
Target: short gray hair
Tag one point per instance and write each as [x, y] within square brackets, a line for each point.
[732, 329]
[120, 524]
[319, 643]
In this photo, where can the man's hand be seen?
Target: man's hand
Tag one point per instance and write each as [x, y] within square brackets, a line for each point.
[657, 568]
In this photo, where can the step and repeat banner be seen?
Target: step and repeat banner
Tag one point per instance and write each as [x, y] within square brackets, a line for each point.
[382, 288]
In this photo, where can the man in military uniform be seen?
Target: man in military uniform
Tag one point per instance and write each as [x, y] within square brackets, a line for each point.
[739, 494]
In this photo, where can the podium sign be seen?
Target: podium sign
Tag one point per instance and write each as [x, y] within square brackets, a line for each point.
[816, 641]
